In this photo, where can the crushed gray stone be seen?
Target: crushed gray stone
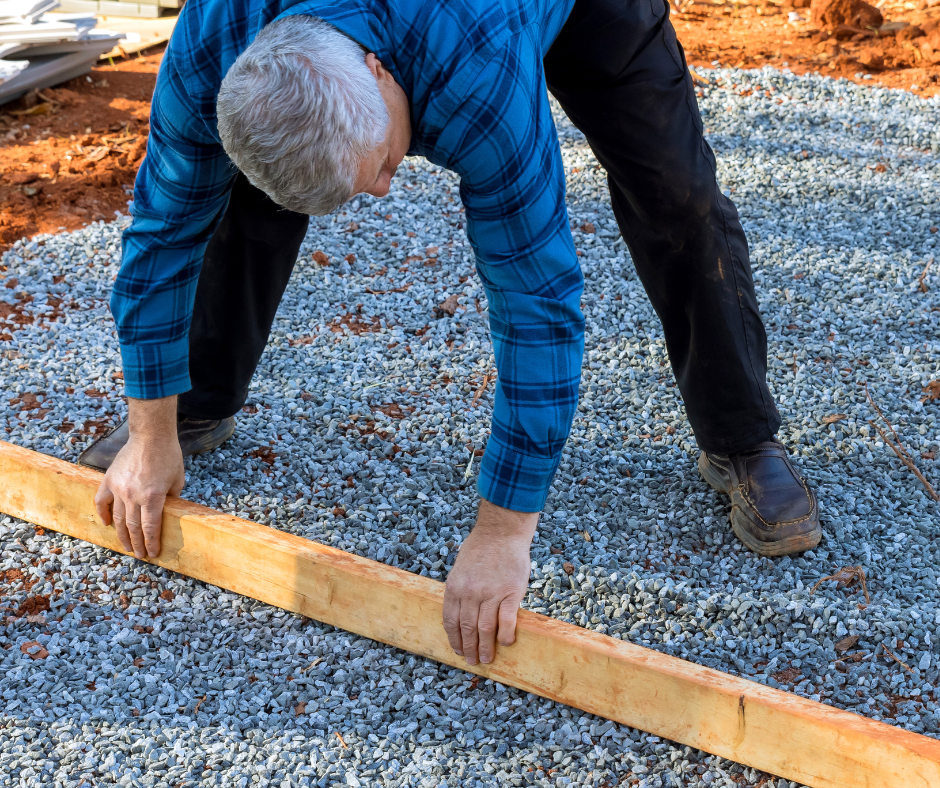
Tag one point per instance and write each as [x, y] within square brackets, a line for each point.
[362, 433]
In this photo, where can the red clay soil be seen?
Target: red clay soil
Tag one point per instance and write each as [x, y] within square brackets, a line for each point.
[752, 34]
[69, 155]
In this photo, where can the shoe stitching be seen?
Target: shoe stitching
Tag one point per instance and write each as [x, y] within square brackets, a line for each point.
[755, 453]
[724, 470]
[753, 506]
[786, 461]
[774, 526]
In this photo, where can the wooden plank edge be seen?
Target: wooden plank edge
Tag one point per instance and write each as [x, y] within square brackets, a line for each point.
[734, 718]
[150, 32]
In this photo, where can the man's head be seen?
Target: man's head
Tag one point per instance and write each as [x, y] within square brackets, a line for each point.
[310, 118]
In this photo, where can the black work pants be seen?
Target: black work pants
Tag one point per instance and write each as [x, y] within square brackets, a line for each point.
[245, 270]
[620, 75]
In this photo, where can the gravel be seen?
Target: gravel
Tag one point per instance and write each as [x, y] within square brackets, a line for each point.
[362, 433]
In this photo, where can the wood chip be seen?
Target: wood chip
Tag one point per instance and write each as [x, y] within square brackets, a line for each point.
[40, 109]
[846, 643]
[897, 659]
[834, 417]
[933, 391]
[41, 654]
[923, 276]
[447, 307]
[312, 665]
[480, 391]
[97, 154]
[846, 578]
[401, 289]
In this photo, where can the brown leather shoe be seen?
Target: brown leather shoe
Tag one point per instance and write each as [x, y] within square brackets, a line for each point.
[774, 512]
[196, 436]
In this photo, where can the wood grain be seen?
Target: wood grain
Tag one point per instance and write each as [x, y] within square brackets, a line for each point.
[747, 722]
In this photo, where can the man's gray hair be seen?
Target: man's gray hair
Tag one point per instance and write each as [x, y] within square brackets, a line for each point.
[298, 110]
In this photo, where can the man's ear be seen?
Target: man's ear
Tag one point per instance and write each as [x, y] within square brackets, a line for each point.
[374, 64]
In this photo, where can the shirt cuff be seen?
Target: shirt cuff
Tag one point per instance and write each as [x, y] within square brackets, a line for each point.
[514, 480]
[155, 371]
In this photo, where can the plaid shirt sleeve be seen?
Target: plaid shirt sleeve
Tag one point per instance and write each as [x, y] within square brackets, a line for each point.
[181, 189]
[505, 148]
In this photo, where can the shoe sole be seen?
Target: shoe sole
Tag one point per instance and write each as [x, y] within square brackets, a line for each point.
[794, 544]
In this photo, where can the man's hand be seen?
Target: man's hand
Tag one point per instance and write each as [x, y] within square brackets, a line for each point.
[145, 471]
[488, 581]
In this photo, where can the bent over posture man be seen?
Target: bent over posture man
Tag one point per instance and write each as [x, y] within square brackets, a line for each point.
[315, 101]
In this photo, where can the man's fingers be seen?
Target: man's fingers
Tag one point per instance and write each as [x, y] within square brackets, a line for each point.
[117, 510]
[508, 610]
[151, 520]
[177, 487]
[487, 582]
[103, 500]
[452, 621]
[486, 631]
[132, 520]
[469, 610]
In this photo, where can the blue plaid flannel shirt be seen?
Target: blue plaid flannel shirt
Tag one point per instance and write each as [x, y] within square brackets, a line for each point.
[473, 72]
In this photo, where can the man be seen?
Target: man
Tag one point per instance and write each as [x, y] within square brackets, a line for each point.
[317, 100]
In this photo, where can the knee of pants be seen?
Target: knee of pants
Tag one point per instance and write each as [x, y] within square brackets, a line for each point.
[683, 196]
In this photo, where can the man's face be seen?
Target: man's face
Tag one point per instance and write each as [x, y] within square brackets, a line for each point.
[376, 169]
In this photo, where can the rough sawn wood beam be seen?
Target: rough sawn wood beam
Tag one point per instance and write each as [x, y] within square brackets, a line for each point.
[767, 729]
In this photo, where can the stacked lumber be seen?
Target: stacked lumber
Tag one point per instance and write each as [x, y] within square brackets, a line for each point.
[148, 9]
[39, 49]
[14, 12]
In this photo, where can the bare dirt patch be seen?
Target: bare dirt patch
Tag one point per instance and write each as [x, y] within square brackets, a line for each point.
[69, 155]
[755, 33]
[33, 606]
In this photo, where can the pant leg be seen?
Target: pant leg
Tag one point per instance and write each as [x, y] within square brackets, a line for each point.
[620, 75]
[245, 270]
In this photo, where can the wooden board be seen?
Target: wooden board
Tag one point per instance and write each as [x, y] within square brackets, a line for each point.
[747, 722]
[150, 31]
